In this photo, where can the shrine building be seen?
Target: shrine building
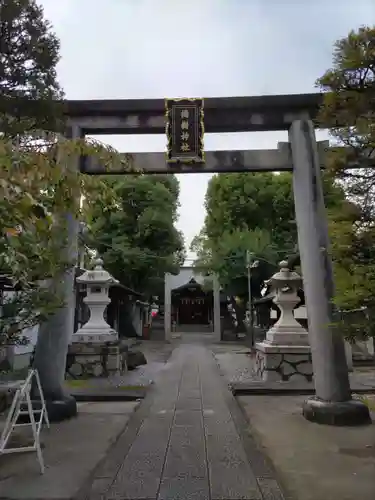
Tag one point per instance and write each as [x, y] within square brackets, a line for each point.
[191, 301]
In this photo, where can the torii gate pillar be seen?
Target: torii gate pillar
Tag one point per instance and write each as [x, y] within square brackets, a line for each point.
[332, 403]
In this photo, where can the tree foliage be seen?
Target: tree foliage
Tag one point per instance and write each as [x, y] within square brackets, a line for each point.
[244, 201]
[349, 111]
[252, 213]
[38, 192]
[244, 210]
[38, 186]
[30, 95]
[135, 235]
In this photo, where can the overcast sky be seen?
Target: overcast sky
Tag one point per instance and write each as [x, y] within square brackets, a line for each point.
[128, 49]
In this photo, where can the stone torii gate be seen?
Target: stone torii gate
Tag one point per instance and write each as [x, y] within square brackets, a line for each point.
[294, 113]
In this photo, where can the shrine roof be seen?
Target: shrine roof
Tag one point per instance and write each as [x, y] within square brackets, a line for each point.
[185, 275]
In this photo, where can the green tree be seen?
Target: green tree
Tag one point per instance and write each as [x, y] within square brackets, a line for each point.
[37, 186]
[244, 213]
[136, 235]
[37, 190]
[29, 52]
[244, 202]
[30, 95]
[252, 213]
[349, 112]
[226, 257]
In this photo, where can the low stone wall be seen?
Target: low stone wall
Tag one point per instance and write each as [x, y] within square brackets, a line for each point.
[91, 360]
[284, 366]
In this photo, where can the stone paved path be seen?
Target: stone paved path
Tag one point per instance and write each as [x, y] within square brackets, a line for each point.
[187, 441]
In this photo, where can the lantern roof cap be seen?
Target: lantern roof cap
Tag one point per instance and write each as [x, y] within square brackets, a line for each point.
[97, 276]
[285, 277]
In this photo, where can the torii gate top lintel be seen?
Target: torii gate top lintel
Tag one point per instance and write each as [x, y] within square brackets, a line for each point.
[222, 114]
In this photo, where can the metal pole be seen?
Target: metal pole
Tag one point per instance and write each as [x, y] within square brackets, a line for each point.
[250, 298]
[167, 308]
[217, 314]
[81, 245]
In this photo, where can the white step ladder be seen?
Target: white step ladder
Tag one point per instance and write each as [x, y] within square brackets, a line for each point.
[22, 404]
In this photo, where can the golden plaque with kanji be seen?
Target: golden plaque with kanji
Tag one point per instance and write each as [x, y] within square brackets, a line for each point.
[185, 130]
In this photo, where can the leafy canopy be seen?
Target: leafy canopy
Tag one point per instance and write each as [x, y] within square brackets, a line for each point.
[252, 213]
[349, 111]
[30, 95]
[135, 235]
[38, 186]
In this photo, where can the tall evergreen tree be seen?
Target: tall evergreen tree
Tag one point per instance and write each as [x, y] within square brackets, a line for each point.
[29, 53]
[30, 98]
[349, 112]
[38, 189]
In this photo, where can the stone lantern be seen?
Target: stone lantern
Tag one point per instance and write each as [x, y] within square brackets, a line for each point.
[285, 354]
[286, 331]
[95, 350]
[98, 282]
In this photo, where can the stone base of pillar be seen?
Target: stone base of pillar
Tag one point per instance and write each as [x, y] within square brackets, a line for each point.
[288, 363]
[94, 360]
[61, 409]
[345, 413]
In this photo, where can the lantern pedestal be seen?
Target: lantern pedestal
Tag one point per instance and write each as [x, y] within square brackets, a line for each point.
[96, 351]
[285, 354]
[283, 363]
[97, 360]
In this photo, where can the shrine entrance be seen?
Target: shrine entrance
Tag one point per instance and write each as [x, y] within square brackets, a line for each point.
[192, 305]
[184, 122]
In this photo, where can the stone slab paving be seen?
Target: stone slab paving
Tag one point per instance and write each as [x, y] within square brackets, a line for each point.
[186, 441]
[314, 462]
[71, 449]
